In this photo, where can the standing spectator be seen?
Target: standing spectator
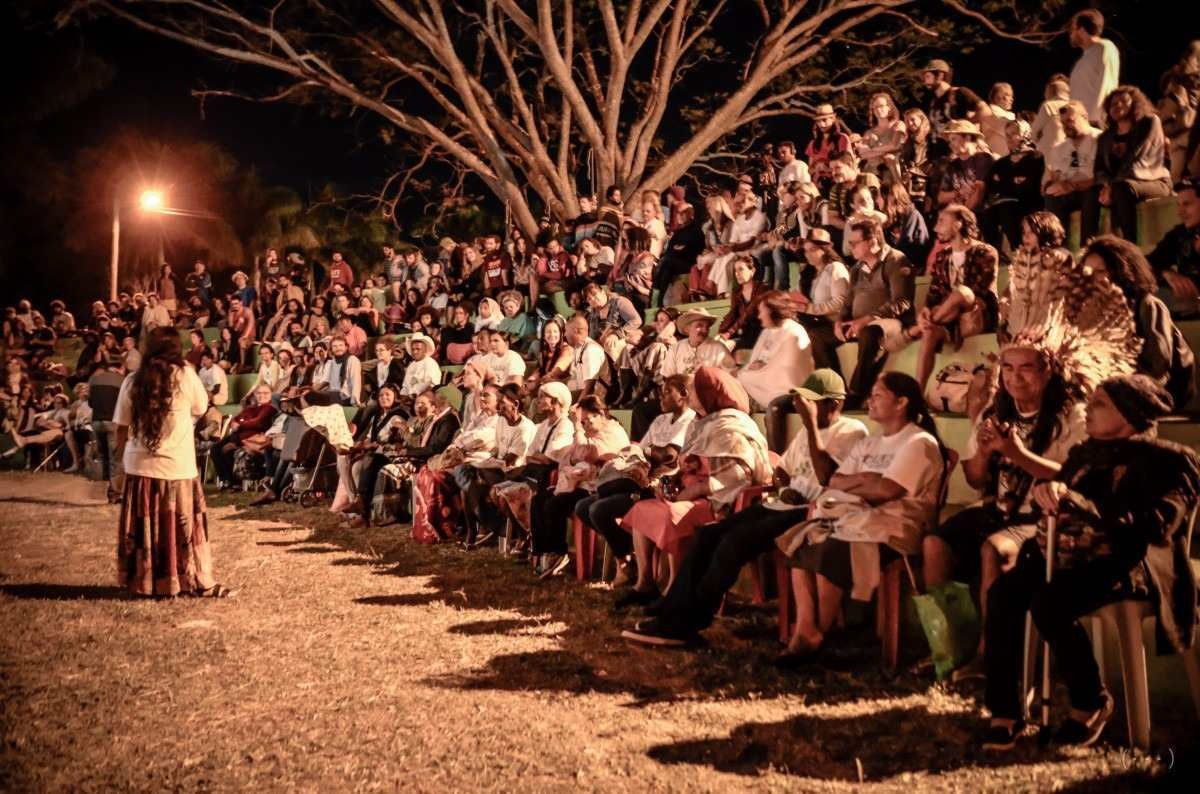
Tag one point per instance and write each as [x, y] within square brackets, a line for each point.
[948, 103]
[1070, 171]
[339, 273]
[829, 142]
[962, 289]
[167, 288]
[162, 547]
[1131, 156]
[199, 283]
[131, 357]
[611, 218]
[1176, 258]
[103, 389]
[965, 177]
[243, 290]
[1098, 71]
[393, 270]
[881, 144]
[1178, 108]
[1047, 129]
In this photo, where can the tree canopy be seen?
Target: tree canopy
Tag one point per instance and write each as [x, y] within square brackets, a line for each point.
[539, 99]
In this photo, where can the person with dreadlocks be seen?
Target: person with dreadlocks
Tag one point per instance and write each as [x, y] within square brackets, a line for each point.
[162, 540]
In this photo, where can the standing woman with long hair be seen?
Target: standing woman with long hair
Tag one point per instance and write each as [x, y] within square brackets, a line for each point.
[162, 538]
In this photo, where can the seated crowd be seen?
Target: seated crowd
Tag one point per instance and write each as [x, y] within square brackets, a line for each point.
[506, 390]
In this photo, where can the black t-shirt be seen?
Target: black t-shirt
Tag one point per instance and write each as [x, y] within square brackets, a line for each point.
[954, 104]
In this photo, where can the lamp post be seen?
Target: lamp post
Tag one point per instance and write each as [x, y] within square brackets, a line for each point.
[150, 201]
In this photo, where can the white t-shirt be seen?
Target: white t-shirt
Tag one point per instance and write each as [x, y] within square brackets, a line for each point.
[910, 458]
[1074, 160]
[514, 440]
[552, 438]
[175, 458]
[667, 431]
[795, 171]
[215, 376]
[509, 368]
[420, 376]
[683, 359]
[838, 439]
[1094, 76]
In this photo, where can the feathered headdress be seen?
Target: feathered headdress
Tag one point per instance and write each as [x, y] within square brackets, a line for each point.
[1082, 325]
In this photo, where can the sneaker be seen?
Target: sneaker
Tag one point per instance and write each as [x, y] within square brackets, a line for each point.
[1001, 737]
[1085, 733]
[655, 632]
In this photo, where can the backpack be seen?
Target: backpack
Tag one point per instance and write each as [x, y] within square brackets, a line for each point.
[950, 388]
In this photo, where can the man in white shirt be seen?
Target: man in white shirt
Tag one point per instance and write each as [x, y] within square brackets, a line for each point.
[1046, 130]
[269, 374]
[1070, 169]
[587, 357]
[216, 382]
[720, 550]
[1098, 70]
[699, 349]
[506, 364]
[791, 168]
[423, 374]
[155, 315]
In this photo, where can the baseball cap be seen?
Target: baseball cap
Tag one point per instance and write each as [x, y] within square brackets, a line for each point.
[822, 384]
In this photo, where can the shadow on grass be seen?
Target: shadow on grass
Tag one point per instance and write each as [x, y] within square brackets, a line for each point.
[44, 591]
[590, 655]
[887, 742]
[37, 500]
[480, 627]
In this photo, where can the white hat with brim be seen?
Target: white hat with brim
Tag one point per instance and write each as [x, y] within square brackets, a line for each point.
[419, 338]
[684, 323]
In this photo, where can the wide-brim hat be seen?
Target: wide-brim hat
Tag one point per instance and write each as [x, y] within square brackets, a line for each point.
[685, 321]
[408, 343]
[824, 110]
[962, 127]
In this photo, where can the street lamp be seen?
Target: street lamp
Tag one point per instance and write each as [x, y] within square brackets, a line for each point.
[150, 201]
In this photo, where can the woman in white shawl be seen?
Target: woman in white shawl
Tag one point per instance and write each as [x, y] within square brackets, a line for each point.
[782, 357]
[724, 452]
[488, 315]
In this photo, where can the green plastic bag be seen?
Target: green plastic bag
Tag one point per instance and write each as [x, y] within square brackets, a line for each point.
[951, 625]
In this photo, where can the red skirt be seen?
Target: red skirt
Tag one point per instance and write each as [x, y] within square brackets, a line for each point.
[435, 510]
[162, 538]
[668, 525]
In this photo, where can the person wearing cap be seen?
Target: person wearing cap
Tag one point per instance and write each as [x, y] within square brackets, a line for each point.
[698, 349]
[962, 298]
[965, 177]
[1098, 71]
[1124, 499]
[947, 103]
[829, 141]
[720, 550]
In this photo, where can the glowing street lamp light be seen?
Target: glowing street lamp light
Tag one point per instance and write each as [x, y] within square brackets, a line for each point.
[150, 201]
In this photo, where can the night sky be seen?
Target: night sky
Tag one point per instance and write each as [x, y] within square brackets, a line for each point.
[304, 150]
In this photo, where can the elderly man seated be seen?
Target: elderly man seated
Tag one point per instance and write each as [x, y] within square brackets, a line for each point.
[248, 428]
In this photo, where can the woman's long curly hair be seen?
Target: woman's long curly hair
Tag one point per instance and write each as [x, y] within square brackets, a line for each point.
[154, 384]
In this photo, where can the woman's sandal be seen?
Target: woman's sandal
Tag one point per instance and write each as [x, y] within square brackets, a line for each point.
[217, 591]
